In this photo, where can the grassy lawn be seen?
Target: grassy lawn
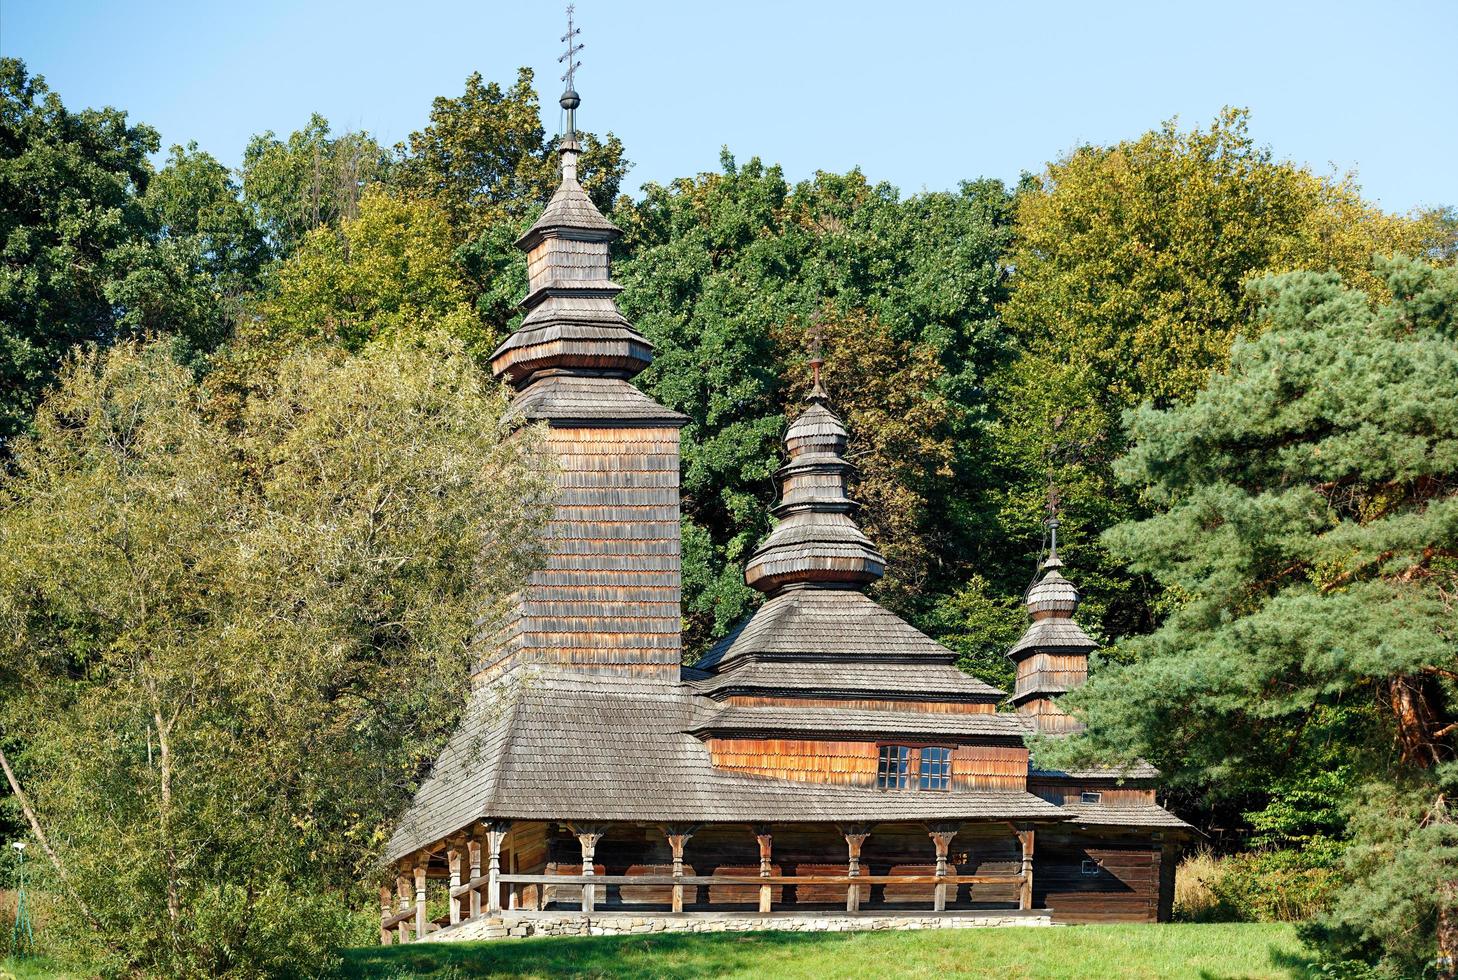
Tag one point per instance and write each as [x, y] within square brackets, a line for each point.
[1206, 951]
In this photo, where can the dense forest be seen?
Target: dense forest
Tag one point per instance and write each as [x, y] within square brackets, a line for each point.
[1236, 380]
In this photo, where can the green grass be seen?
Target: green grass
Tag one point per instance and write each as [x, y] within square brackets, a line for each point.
[37, 968]
[1205, 951]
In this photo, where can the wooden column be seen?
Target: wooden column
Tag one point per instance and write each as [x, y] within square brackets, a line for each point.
[766, 843]
[495, 834]
[385, 905]
[855, 838]
[588, 838]
[1025, 891]
[422, 924]
[403, 892]
[473, 858]
[941, 835]
[677, 838]
[453, 862]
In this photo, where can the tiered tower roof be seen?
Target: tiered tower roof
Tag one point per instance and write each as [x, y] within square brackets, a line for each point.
[572, 327]
[816, 542]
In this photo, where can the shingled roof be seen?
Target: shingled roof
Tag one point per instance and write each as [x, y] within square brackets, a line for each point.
[912, 681]
[558, 745]
[826, 625]
[740, 720]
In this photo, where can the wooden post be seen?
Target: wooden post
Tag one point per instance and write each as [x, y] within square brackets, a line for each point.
[422, 924]
[495, 834]
[941, 836]
[1025, 890]
[855, 837]
[766, 843]
[588, 838]
[677, 838]
[453, 862]
[403, 892]
[385, 904]
[473, 857]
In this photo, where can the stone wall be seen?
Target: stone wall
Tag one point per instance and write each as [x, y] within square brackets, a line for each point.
[522, 924]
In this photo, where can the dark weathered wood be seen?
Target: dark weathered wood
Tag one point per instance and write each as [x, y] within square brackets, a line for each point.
[816, 879]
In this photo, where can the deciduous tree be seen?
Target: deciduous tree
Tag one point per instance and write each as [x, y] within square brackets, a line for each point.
[227, 656]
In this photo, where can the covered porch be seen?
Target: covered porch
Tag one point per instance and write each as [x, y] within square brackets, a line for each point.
[712, 871]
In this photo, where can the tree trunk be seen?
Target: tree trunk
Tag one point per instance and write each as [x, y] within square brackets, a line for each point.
[169, 849]
[40, 837]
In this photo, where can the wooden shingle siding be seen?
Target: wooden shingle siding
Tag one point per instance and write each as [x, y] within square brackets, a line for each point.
[864, 704]
[609, 595]
[991, 767]
[803, 760]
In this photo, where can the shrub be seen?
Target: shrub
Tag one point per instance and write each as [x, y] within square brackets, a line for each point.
[1266, 886]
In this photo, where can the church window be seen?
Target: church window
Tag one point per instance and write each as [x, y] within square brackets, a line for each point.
[893, 769]
[936, 768]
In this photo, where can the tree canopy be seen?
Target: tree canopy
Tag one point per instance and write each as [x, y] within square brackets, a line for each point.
[1307, 520]
[227, 656]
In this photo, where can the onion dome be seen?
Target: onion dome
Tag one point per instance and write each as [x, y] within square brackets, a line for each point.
[1051, 603]
[572, 324]
[816, 542]
[1052, 595]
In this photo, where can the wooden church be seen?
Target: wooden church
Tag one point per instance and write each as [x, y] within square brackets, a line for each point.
[824, 755]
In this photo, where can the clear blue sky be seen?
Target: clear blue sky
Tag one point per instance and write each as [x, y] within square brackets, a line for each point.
[920, 94]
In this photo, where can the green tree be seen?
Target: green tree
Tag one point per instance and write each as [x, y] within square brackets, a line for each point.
[716, 268]
[1130, 269]
[227, 656]
[485, 159]
[1307, 522]
[390, 270]
[69, 210]
[310, 180]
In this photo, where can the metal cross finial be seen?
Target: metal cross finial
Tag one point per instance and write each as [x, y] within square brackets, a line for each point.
[570, 101]
[569, 56]
[1054, 500]
[817, 336]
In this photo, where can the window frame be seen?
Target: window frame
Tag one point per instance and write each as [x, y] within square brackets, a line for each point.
[908, 769]
[1097, 796]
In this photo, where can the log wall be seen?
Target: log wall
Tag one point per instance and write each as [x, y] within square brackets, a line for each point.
[1131, 881]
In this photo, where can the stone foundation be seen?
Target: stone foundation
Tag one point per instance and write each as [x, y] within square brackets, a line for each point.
[523, 924]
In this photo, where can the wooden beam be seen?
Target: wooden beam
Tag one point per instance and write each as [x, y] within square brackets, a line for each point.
[677, 838]
[473, 856]
[495, 834]
[385, 898]
[705, 880]
[403, 892]
[422, 924]
[766, 844]
[453, 862]
[1025, 891]
[587, 837]
[941, 835]
[855, 838]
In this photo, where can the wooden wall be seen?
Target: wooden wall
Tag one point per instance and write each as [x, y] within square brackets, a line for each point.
[853, 763]
[1134, 880]
[1048, 716]
[1063, 791]
[795, 850]
[1051, 669]
[930, 707]
[608, 598]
